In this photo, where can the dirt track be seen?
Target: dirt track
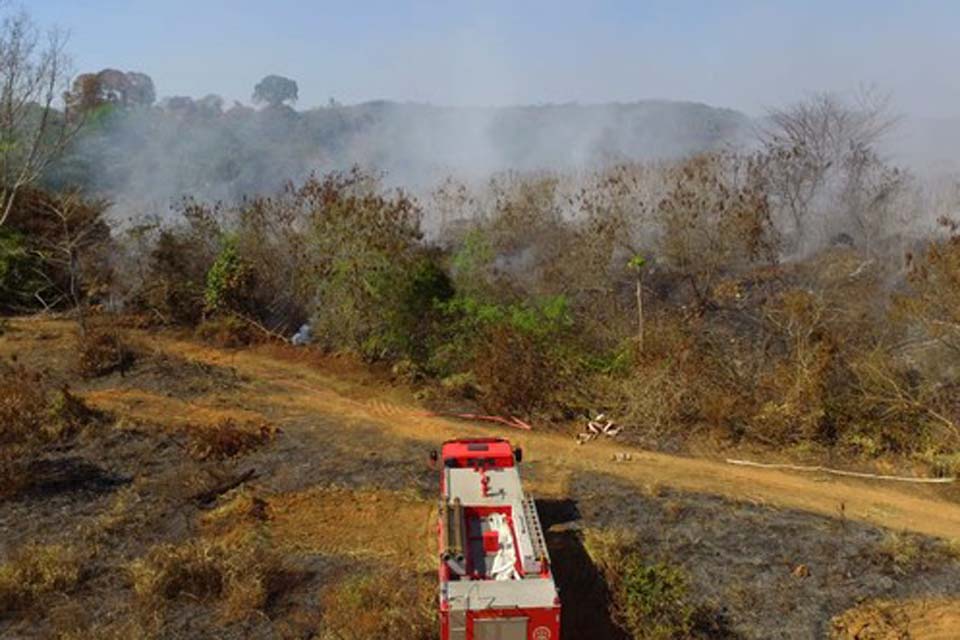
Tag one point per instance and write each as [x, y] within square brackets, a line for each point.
[295, 389]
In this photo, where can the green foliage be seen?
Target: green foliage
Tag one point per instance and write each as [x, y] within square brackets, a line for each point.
[545, 317]
[18, 271]
[470, 321]
[416, 322]
[363, 247]
[650, 601]
[229, 281]
[654, 600]
[175, 278]
[471, 262]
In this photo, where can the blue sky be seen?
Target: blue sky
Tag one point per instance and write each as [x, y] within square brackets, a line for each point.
[743, 54]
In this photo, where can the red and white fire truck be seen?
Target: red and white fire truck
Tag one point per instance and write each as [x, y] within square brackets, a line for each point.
[495, 576]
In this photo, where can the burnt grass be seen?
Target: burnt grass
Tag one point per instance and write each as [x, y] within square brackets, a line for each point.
[742, 559]
[764, 572]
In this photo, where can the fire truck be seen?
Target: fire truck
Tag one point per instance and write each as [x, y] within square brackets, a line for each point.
[496, 581]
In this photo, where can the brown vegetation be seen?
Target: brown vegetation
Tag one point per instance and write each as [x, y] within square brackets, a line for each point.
[35, 572]
[227, 439]
[381, 605]
[242, 576]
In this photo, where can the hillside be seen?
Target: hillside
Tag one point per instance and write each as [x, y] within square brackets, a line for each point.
[152, 156]
[329, 533]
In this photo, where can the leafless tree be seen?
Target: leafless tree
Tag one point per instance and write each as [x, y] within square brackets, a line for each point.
[821, 147]
[77, 228]
[33, 132]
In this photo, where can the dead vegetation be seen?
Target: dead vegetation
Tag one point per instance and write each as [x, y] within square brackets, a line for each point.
[34, 573]
[381, 605]
[101, 352]
[227, 439]
[240, 577]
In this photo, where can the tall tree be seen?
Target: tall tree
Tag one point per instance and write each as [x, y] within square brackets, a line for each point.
[33, 133]
[110, 86]
[275, 90]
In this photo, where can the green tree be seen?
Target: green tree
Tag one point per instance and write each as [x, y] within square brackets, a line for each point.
[275, 90]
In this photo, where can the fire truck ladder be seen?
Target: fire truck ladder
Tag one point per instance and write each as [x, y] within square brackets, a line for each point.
[536, 531]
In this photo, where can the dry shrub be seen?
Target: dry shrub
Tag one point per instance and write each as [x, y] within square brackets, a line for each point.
[244, 576]
[655, 397]
[242, 510]
[36, 571]
[381, 605]
[512, 372]
[227, 439]
[31, 414]
[904, 553]
[792, 391]
[226, 332]
[871, 621]
[100, 353]
[23, 404]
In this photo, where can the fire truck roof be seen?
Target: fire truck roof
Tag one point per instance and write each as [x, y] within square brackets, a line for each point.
[479, 448]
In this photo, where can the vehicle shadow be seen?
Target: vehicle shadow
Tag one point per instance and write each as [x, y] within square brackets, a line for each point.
[583, 592]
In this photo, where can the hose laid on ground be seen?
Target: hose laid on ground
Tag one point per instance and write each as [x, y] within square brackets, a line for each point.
[852, 474]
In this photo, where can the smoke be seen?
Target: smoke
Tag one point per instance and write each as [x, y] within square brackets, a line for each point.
[145, 159]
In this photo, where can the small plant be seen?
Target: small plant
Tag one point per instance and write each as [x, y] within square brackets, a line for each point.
[23, 404]
[34, 572]
[653, 600]
[100, 353]
[31, 415]
[226, 332]
[227, 439]
[230, 281]
[901, 553]
[650, 601]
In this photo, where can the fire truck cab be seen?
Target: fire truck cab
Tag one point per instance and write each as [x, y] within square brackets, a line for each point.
[496, 581]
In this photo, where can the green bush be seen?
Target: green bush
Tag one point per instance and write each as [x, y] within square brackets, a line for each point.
[653, 600]
[18, 269]
[415, 323]
[229, 283]
[650, 601]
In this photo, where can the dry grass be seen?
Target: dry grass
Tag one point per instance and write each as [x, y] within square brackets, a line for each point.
[227, 439]
[36, 571]
[32, 416]
[313, 521]
[872, 621]
[904, 553]
[101, 352]
[23, 404]
[242, 576]
[226, 332]
[381, 605]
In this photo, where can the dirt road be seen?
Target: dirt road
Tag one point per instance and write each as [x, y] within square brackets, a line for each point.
[294, 389]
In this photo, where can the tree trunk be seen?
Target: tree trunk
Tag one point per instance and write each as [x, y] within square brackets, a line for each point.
[640, 312]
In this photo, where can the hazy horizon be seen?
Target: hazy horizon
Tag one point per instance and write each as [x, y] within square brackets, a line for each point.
[742, 55]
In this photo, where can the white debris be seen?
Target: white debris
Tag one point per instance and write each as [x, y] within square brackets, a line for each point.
[303, 336]
[597, 428]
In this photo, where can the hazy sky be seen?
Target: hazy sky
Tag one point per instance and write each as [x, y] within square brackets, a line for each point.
[742, 54]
